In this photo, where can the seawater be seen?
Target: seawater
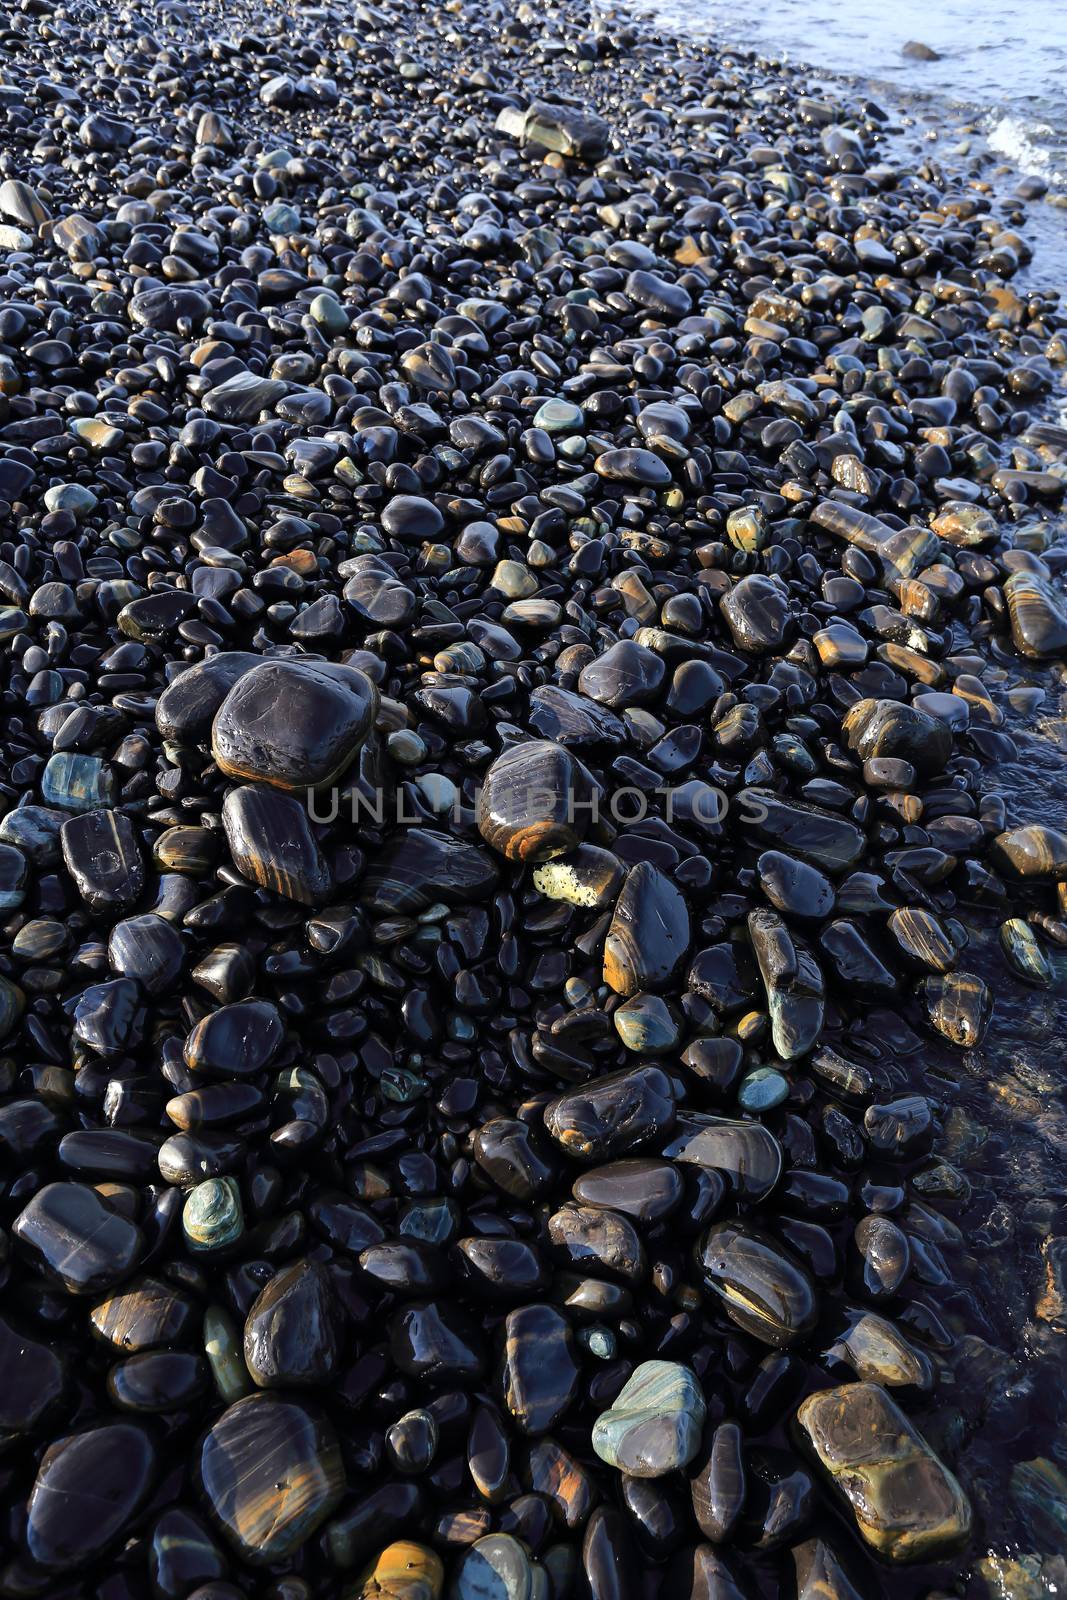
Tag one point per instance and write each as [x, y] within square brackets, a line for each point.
[1005, 68]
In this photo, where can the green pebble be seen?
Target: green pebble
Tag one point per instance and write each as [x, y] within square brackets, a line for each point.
[762, 1090]
[559, 416]
[646, 1025]
[72, 497]
[224, 1350]
[213, 1216]
[329, 313]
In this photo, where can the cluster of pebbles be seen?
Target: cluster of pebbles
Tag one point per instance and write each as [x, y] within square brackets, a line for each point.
[507, 524]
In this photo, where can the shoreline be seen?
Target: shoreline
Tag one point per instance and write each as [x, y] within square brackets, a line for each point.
[499, 414]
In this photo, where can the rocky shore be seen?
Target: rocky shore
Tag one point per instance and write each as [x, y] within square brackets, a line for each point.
[523, 545]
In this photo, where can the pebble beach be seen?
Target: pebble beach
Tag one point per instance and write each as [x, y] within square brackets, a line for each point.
[533, 821]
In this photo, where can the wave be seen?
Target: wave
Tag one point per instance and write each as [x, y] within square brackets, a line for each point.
[1021, 142]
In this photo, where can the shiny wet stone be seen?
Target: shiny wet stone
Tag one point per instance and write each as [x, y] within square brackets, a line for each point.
[540, 1374]
[293, 1333]
[35, 1382]
[272, 845]
[649, 933]
[906, 1503]
[534, 802]
[655, 1422]
[619, 1112]
[761, 1286]
[89, 1488]
[270, 1471]
[70, 1233]
[292, 724]
[402, 1571]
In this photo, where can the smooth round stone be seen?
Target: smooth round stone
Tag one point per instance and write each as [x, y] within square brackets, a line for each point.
[213, 1216]
[649, 934]
[101, 853]
[76, 782]
[632, 465]
[407, 747]
[402, 1571]
[877, 1352]
[559, 416]
[502, 1268]
[958, 1006]
[509, 1152]
[182, 1555]
[1023, 953]
[293, 724]
[534, 802]
[157, 1381]
[421, 866]
[242, 396]
[573, 719]
[820, 1573]
[654, 1425]
[145, 1313]
[271, 1472]
[236, 1041]
[293, 1331]
[29, 1128]
[794, 887]
[761, 1287]
[541, 1375]
[718, 1488]
[1037, 614]
[923, 939]
[191, 850]
[227, 972]
[13, 873]
[900, 1129]
[436, 1343]
[627, 674]
[330, 315]
[613, 1114]
[117, 1154]
[646, 1025]
[643, 1188]
[412, 1441]
[478, 545]
[494, 1568]
[1035, 853]
[222, 1347]
[281, 218]
[186, 708]
[762, 1090]
[72, 1235]
[588, 877]
[409, 516]
[880, 728]
[827, 841]
[186, 1158]
[272, 845]
[906, 1503]
[34, 830]
[89, 1487]
[12, 1005]
[756, 611]
[747, 1154]
[35, 1382]
[147, 949]
[746, 529]
[72, 497]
